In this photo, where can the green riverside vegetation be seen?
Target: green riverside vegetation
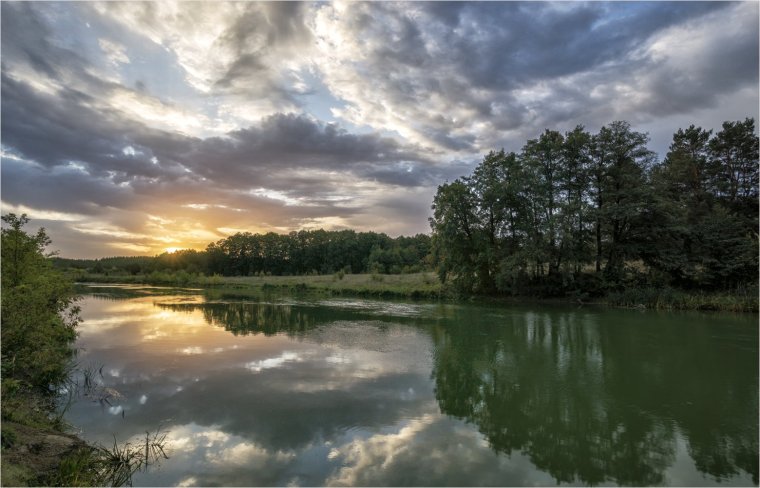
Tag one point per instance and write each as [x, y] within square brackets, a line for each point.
[595, 216]
[38, 329]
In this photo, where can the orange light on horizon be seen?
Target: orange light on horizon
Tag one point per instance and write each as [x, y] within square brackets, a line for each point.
[172, 250]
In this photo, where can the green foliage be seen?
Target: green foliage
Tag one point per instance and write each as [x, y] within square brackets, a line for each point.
[456, 234]
[38, 312]
[702, 223]
[744, 299]
[570, 213]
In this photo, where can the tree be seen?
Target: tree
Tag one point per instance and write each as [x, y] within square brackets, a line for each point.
[455, 230]
[575, 177]
[733, 168]
[621, 191]
[38, 313]
[528, 222]
[679, 205]
[702, 227]
[489, 190]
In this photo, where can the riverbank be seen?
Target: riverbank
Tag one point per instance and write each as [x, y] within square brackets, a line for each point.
[427, 286]
[36, 449]
[413, 286]
[39, 450]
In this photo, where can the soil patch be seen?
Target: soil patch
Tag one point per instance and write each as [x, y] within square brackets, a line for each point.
[31, 455]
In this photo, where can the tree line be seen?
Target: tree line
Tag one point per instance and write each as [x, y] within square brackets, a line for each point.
[590, 213]
[296, 253]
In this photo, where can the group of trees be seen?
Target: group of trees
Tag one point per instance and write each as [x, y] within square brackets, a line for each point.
[296, 253]
[582, 211]
[317, 251]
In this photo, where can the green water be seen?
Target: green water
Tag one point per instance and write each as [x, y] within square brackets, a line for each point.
[299, 391]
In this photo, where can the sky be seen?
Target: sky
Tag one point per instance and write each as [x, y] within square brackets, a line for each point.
[134, 128]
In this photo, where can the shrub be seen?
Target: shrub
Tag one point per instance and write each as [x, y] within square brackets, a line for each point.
[39, 315]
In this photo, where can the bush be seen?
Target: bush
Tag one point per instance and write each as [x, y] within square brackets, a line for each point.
[39, 316]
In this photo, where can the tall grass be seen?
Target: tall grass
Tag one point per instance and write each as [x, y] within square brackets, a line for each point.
[744, 299]
[111, 466]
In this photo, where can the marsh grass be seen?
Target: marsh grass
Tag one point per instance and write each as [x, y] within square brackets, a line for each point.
[111, 466]
[743, 299]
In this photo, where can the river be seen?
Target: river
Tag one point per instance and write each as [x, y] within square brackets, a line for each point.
[288, 390]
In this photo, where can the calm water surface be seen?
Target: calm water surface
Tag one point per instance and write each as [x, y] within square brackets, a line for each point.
[298, 391]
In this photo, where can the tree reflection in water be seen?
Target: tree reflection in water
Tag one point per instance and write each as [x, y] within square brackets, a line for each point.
[594, 403]
[244, 318]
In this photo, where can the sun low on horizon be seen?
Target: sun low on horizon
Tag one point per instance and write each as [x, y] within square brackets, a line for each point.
[138, 128]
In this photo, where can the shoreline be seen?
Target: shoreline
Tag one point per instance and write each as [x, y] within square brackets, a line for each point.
[426, 286]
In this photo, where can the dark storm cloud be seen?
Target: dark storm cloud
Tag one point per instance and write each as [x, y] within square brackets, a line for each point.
[441, 66]
[505, 45]
[292, 142]
[63, 189]
[58, 129]
[721, 69]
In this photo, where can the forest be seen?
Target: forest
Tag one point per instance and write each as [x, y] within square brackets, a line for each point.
[590, 214]
[306, 252]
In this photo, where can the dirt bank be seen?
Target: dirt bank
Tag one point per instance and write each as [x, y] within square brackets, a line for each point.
[31, 456]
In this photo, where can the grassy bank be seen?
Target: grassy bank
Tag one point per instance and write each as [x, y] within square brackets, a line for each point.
[427, 286]
[34, 441]
[416, 285]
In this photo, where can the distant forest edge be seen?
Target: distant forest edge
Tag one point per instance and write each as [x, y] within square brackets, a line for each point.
[572, 215]
[306, 252]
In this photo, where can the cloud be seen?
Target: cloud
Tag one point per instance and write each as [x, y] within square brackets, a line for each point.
[286, 171]
[248, 50]
[116, 53]
[465, 77]
[287, 143]
[413, 454]
[108, 150]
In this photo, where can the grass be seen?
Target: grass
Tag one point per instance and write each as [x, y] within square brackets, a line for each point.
[414, 285]
[666, 298]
